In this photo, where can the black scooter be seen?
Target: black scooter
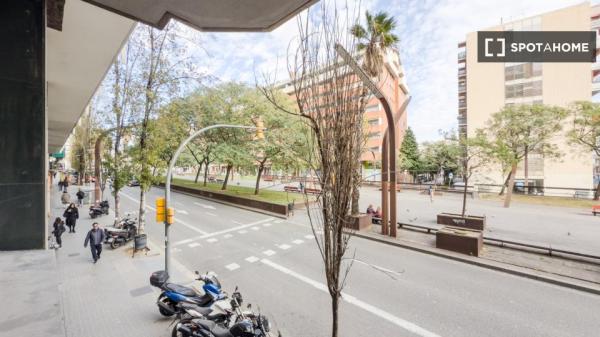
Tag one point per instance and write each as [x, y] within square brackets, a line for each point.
[101, 209]
[121, 233]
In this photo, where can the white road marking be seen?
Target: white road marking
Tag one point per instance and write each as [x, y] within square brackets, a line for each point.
[175, 250]
[232, 266]
[227, 236]
[212, 240]
[211, 214]
[409, 326]
[225, 231]
[237, 222]
[278, 221]
[176, 220]
[182, 211]
[284, 246]
[252, 259]
[194, 244]
[255, 228]
[310, 237]
[204, 206]
[268, 224]
[297, 242]
[269, 252]
[243, 231]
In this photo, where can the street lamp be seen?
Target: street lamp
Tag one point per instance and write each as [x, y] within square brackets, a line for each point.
[388, 157]
[259, 135]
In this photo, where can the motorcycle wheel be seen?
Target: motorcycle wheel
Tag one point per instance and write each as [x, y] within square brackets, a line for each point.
[176, 333]
[93, 215]
[114, 244]
[164, 299]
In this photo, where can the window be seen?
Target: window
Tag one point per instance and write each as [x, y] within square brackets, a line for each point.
[373, 107]
[522, 71]
[376, 134]
[527, 89]
[374, 121]
[374, 149]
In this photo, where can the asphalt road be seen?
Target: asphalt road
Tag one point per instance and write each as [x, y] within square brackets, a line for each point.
[390, 291]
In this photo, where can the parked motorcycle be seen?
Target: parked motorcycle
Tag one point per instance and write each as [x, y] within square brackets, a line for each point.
[172, 293]
[124, 231]
[246, 323]
[101, 209]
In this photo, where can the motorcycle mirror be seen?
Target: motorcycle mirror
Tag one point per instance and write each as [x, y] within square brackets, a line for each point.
[196, 272]
[249, 306]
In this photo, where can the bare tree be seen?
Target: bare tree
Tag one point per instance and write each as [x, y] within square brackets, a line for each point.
[328, 97]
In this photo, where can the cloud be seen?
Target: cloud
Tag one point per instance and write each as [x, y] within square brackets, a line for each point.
[429, 31]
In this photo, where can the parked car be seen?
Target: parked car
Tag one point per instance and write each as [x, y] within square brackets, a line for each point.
[133, 183]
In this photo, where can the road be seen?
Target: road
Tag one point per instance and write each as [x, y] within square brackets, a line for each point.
[277, 266]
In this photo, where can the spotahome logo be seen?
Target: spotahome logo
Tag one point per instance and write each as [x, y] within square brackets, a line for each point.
[523, 46]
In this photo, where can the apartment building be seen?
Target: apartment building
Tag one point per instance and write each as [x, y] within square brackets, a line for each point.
[485, 88]
[393, 84]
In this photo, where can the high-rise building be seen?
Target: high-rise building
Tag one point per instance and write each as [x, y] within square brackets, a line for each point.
[393, 84]
[485, 88]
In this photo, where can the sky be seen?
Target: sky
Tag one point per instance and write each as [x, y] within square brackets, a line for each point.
[429, 32]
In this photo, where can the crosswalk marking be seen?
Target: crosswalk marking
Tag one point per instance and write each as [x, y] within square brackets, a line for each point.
[297, 242]
[252, 259]
[194, 244]
[232, 266]
[284, 246]
[255, 228]
[212, 240]
[269, 252]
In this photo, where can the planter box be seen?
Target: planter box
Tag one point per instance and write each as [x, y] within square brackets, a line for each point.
[459, 240]
[456, 220]
[361, 222]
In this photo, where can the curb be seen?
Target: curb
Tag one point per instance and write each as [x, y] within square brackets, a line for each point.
[514, 270]
[229, 204]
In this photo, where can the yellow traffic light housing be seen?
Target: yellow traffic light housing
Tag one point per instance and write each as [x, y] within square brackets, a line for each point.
[170, 215]
[260, 128]
[160, 210]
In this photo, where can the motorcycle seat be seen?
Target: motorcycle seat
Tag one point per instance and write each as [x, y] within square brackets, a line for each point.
[185, 291]
[213, 327]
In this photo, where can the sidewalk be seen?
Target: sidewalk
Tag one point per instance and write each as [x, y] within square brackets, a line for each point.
[70, 296]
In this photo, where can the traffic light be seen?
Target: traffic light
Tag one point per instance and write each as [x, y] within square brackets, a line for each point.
[260, 128]
[170, 215]
[160, 210]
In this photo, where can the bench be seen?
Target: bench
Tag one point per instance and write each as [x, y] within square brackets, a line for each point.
[596, 209]
[581, 194]
[312, 191]
[291, 189]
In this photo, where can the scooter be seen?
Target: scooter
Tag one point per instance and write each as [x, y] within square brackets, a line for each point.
[101, 209]
[174, 293]
[121, 233]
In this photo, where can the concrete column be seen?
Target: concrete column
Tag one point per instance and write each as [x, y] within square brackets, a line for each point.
[22, 125]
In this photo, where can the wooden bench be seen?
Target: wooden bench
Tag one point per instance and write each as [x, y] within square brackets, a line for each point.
[596, 209]
[312, 191]
[291, 189]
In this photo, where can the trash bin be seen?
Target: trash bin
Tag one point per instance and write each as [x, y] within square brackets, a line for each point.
[140, 241]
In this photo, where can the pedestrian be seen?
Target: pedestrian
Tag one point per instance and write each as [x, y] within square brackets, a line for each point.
[80, 195]
[370, 209]
[65, 198]
[66, 182]
[301, 185]
[431, 191]
[59, 229]
[71, 215]
[95, 237]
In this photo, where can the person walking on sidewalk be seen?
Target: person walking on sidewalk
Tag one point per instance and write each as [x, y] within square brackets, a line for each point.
[66, 182]
[71, 215]
[59, 229]
[95, 237]
[80, 195]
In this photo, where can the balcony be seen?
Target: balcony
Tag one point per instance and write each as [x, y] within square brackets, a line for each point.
[462, 72]
[462, 105]
[462, 89]
[462, 56]
[595, 87]
[462, 121]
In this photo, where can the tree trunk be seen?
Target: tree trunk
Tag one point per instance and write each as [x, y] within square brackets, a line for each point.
[334, 315]
[261, 167]
[198, 173]
[464, 208]
[526, 170]
[205, 172]
[229, 167]
[142, 212]
[597, 193]
[505, 183]
[356, 192]
[511, 183]
[117, 204]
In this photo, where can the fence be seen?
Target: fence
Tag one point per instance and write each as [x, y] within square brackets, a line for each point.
[568, 192]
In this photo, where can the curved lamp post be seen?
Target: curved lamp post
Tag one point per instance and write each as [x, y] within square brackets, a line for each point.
[259, 129]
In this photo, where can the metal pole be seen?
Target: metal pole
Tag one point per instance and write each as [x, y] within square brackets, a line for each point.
[170, 172]
[384, 186]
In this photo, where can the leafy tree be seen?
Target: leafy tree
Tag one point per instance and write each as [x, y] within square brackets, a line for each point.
[585, 132]
[516, 130]
[409, 153]
[373, 40]
[443, 155]
[83, 145]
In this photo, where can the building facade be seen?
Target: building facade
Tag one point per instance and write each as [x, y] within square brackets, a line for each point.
[393, 85]
[485, 88]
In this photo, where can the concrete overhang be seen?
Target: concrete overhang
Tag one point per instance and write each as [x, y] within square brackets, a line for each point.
[209, 15]
[77, 59]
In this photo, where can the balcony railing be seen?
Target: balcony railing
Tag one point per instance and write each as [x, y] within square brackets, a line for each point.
[462, 72]
[462, 104]
[462, 88]
[462, 55]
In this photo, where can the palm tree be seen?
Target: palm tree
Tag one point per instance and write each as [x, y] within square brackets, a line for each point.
[373, 40]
